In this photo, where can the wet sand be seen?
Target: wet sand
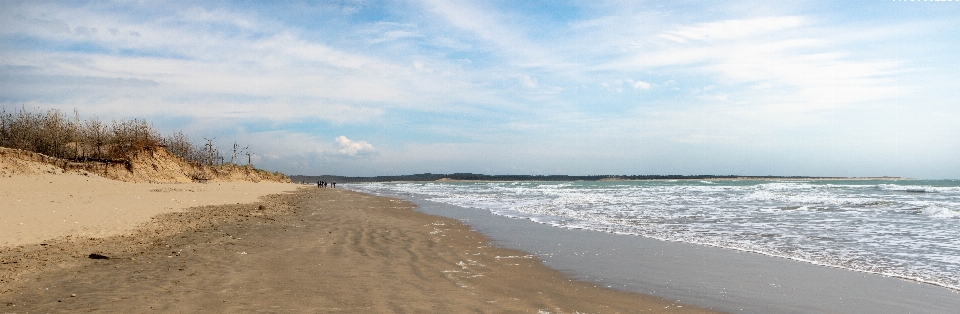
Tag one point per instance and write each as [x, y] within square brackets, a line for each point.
[314, 250]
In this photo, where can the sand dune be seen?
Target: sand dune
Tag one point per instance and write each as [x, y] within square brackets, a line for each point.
[41, 199]
[37, 207]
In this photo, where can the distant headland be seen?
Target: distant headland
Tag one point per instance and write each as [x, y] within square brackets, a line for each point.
[426, 177]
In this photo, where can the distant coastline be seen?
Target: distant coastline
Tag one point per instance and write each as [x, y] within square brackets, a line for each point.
[473, 177]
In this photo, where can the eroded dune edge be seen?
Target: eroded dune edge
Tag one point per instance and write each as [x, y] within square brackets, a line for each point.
[43, 198]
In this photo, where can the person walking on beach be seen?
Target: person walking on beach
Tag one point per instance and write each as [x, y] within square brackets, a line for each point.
[334, 185]
[318, 184]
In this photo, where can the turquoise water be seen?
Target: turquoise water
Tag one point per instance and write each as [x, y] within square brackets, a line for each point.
[908, 229]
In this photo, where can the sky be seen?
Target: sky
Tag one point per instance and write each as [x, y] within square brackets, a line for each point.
[364, 88]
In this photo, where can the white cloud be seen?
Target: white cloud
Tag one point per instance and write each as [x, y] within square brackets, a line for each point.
[733, 29]
[528, 81]
[673, 38]
[641, 85]
[354, 148]
[198, 71]
[487, 25]
[395, 35]
[493, 27]
[219, 16]
[781, 60]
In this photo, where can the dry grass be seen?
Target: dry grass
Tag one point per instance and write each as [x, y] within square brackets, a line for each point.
[56, 134]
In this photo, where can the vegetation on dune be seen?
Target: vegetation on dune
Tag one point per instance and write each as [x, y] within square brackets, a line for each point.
[56, 134]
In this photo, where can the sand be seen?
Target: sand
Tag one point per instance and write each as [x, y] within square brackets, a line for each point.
[314, 250]
[49, 203]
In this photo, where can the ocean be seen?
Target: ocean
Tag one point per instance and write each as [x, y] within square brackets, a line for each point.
[907, 229]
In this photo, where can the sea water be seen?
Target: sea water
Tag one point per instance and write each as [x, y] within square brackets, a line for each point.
[905, 228]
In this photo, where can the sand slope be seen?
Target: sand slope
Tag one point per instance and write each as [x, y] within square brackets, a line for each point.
[37, 207]
[152, 164]
[43, 197]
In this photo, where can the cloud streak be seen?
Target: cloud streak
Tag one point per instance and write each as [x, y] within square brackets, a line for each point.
[633, 84]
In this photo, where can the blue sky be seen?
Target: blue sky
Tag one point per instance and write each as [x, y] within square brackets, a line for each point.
[832, 88]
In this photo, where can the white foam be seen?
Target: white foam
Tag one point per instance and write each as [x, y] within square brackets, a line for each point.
[919, 188]
[937, 211]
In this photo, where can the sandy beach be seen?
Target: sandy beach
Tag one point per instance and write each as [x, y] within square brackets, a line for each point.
[313, 250]
[74, 241]
[44, 206]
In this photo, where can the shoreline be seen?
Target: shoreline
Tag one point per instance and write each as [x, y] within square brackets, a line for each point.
[706, 276]
[309, 250]
[481, 178]
[669, 180]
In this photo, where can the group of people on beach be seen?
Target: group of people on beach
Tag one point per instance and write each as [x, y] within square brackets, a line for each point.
[323, 184]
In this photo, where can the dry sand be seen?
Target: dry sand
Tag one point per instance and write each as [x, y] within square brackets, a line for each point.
[50, 203]
[315, 250]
